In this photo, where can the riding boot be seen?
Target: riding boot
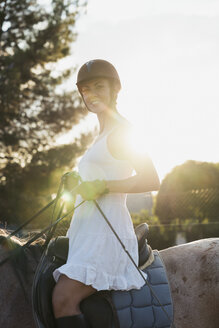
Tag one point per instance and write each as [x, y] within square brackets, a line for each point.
[75, 321]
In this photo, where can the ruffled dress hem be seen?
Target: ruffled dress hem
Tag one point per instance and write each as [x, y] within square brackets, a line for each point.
[99, 279]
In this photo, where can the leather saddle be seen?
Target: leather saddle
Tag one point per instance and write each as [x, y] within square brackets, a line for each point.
[100, 302]
[58, 247]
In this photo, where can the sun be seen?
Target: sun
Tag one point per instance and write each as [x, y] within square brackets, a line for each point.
[137, 139]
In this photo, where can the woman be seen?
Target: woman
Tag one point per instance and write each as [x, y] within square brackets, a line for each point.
[96, 260]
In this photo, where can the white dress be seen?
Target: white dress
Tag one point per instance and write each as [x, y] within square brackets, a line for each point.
[95, 255]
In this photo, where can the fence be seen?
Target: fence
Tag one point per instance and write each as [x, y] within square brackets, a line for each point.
[197, 204]
[182, 217]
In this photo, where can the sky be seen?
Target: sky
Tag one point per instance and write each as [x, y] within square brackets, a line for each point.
[166, 53]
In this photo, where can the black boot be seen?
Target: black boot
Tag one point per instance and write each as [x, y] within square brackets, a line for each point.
[75, 321]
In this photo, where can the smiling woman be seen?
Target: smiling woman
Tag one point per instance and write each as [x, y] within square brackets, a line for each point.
[106, 171]
[96, 94]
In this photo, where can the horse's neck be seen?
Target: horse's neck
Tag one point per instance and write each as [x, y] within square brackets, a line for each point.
[24, 261]
[35, 253]
[15, 308]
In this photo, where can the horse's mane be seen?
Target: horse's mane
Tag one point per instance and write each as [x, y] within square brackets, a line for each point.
[9, 242]
[16, 241]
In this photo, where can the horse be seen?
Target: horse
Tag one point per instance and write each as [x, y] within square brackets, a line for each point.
[192, 270]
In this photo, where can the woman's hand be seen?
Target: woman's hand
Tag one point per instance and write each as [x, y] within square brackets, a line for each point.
[90, 190]
[71, 180]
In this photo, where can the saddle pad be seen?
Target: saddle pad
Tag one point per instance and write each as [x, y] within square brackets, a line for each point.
[110, 309]
[139, 308]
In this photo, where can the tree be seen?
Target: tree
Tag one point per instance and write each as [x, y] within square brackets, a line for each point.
[191, 190]
[32, 39]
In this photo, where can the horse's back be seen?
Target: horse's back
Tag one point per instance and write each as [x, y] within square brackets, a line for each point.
[193, 272]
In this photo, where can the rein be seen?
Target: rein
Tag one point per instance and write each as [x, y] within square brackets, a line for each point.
[32, 218]
[15, 251]
[51, 228]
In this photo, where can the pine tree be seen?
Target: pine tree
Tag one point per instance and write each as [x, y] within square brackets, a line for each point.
[32, 39]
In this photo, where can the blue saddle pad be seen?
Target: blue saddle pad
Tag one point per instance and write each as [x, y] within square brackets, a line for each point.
[139, 308]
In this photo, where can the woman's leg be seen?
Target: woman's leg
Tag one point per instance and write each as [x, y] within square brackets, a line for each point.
[67, 295]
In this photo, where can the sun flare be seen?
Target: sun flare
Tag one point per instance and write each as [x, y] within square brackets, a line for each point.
[137, 140]
[138, 134]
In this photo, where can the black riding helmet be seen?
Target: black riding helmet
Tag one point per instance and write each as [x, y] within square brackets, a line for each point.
[98, 68]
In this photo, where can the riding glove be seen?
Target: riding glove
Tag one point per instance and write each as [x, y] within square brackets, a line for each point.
[90, 190]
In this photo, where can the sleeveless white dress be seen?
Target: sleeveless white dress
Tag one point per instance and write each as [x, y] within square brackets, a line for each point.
[95, 255]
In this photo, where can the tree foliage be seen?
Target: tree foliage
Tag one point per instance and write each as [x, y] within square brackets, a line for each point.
[28, 189]
[191, 190]
[33, 38]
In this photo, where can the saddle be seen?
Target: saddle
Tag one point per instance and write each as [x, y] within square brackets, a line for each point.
[108, 309]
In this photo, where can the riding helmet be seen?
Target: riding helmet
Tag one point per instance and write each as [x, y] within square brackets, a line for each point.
[98, 68]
